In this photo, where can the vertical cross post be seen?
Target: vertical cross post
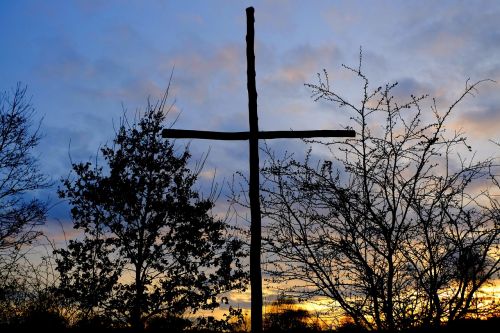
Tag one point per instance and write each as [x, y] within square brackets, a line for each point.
[255, 227]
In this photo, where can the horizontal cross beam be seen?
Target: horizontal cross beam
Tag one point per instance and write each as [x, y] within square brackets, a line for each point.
[209, 135]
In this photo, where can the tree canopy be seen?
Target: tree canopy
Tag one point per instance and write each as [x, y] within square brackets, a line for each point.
[150, 244]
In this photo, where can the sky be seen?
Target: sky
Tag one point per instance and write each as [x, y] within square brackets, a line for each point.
[85, 61]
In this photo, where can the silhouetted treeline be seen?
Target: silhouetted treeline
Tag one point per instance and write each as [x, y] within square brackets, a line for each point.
[34, 321]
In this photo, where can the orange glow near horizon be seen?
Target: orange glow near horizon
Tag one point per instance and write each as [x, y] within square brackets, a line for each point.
[323, 309]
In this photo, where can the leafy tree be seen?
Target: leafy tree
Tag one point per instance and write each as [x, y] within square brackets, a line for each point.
[150, 245]
[392, 229]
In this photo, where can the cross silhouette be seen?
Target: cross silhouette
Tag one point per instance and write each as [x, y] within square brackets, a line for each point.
[253, 136]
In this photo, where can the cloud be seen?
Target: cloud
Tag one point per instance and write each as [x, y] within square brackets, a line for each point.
[210, 86]
[407, 86]
[60, 231]
[480, 122]
[205, 70]
[277, 16]
[457, 37]
[340, 19]
[59, 58]
[298, 64]
[90, 7]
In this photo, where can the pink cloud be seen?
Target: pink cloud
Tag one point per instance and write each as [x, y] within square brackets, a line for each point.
[444, 44]
[299, 64]
[202, 75]
[480, 122]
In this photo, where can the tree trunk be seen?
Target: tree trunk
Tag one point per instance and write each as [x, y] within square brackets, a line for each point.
[137, 324]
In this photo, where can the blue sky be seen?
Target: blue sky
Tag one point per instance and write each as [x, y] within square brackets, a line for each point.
[83, 60]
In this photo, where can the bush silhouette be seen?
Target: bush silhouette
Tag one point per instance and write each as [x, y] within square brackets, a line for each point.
[38, 319]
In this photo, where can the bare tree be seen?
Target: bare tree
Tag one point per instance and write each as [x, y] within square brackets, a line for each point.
[20, 176]
[27, 289]
[19, 171]
[392, 229]
[22, 281]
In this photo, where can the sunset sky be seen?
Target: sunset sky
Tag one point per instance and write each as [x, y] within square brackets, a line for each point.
[85, 60]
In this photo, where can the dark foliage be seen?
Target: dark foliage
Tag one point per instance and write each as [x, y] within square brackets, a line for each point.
[168, 323]
[150, 246]
[35, 319]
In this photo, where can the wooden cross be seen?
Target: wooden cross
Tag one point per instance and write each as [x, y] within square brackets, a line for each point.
[253, 136]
